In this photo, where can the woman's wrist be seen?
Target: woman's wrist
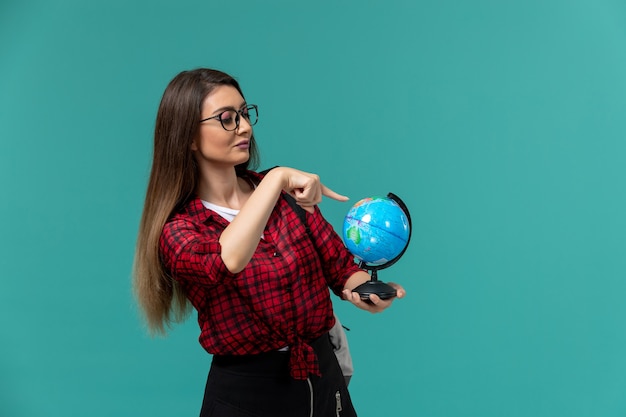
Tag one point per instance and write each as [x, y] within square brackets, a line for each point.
[356, 279]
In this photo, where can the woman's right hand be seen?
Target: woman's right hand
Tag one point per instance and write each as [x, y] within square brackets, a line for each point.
[304, 187]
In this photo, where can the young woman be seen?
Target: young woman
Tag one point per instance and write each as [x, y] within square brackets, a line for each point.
[222, 238]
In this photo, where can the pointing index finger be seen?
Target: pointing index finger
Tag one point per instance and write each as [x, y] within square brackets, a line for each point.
[331, 194]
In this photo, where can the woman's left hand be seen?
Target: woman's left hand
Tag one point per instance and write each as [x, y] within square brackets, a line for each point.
[375, 304]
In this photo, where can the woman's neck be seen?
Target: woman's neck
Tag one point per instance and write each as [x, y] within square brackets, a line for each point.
[225, 190]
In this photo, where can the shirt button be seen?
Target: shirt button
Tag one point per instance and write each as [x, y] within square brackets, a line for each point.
[275, 254]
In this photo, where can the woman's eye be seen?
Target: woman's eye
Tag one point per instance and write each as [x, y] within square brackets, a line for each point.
[227, 117]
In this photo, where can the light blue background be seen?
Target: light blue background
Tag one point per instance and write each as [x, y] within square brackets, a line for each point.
[500, 123]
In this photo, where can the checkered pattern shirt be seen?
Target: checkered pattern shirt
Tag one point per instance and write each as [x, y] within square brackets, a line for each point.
[282, 296]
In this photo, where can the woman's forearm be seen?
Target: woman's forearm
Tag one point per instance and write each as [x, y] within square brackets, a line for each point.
[240, 239]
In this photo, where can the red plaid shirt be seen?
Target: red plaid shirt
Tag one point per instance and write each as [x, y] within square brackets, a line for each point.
[282, 296]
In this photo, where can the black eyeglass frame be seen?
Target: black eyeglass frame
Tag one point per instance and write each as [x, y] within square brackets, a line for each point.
[238, 115]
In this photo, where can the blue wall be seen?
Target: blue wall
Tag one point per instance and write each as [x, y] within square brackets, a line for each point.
[500, 123]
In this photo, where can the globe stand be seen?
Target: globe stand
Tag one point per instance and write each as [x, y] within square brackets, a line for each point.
[374, 286]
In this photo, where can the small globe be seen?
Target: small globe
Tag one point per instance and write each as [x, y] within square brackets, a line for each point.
[376, 230]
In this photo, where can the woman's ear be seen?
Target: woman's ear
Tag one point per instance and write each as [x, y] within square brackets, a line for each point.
[193, 146]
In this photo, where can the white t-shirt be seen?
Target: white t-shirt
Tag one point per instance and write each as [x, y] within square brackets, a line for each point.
[226, 212]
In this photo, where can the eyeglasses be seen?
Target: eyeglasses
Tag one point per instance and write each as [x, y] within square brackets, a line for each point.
[230, 118]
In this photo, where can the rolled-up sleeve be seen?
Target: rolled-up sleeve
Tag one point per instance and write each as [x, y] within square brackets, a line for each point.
[189, 255]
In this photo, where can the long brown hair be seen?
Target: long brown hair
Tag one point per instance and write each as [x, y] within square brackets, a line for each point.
[172, 183]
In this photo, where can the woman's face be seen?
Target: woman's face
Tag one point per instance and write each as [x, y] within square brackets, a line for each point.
[214, 146]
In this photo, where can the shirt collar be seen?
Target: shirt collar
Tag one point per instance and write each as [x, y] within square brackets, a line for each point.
[196, 209]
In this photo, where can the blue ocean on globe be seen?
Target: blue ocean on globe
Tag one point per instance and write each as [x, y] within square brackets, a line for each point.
[376, 230]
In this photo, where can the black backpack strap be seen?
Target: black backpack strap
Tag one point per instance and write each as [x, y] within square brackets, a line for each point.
[299, 211]
[292, 203]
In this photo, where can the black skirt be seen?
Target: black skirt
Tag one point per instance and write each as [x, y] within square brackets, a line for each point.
[260, 386]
